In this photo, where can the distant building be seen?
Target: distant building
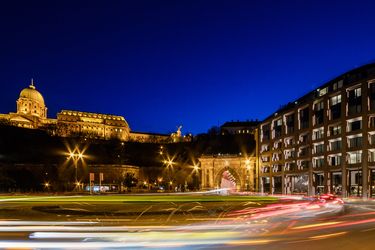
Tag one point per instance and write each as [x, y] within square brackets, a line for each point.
[110, 176]
[31, 110]
[70, 123]
[238, 127]
[32, 113]
[149, 137]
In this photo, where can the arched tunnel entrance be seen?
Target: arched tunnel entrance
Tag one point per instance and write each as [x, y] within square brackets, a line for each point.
[228, 171]
[229, 179]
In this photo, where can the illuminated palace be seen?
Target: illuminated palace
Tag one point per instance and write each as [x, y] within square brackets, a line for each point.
[323, 141]
[32, 113]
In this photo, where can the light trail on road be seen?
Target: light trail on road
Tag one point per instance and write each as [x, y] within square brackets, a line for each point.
[294, 221]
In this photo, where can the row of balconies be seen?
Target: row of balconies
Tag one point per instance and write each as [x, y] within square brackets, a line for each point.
[352, 125]
[287, 168]
[305, 152]
[352, 142]
[304, 165]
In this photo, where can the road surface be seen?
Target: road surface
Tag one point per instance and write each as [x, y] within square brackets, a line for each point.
[186, 222]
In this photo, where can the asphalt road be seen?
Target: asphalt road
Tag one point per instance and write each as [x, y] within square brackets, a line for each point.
[190, 222]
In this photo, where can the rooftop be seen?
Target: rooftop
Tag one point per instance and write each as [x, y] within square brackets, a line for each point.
[92, 115]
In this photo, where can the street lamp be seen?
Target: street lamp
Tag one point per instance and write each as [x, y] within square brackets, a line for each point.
[195, 176]
[196, 167]
[47, 185]
[169, 167]
[76, 155]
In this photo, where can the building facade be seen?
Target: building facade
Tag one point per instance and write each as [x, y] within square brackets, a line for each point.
[324, 141]
[32, 113]
[229, 171]
[71, 123]
[238, 127]
[31, 110]
[110, 176]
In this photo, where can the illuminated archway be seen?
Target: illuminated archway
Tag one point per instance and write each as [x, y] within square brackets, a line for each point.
[228, 181]
[228, 178]
[236, 171]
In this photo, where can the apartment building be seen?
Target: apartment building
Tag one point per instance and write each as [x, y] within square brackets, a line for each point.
[324, 141]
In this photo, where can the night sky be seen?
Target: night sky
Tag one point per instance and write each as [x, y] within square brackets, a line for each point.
[161, 64]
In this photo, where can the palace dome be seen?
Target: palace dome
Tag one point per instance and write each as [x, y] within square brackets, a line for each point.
[32, 94]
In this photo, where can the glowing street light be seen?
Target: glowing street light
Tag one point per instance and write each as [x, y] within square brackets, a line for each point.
[75, 156]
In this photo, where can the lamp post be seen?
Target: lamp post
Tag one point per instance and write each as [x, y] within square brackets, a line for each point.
[76, 155]
[196, 176]
[169, 168]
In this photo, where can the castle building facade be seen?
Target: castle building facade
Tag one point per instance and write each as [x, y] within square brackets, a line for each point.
[324, 141]
[32, 113]
[71, 123]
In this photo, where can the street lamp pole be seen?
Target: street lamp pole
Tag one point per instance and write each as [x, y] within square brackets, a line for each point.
[75, 166]
[76, 157]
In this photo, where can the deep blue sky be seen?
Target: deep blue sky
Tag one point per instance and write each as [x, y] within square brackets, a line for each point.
[165, 63]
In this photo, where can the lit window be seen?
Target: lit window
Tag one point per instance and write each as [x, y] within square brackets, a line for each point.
[355, 157]
[323, 91]
[357, 92]
[334, 130]
[319, 106]
[335, 100]
[371, 156]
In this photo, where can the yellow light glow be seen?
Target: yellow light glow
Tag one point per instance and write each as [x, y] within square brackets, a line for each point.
[317, 225]
[327, 235]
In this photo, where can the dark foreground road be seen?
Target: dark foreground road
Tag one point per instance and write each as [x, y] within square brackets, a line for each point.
[188, 222]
